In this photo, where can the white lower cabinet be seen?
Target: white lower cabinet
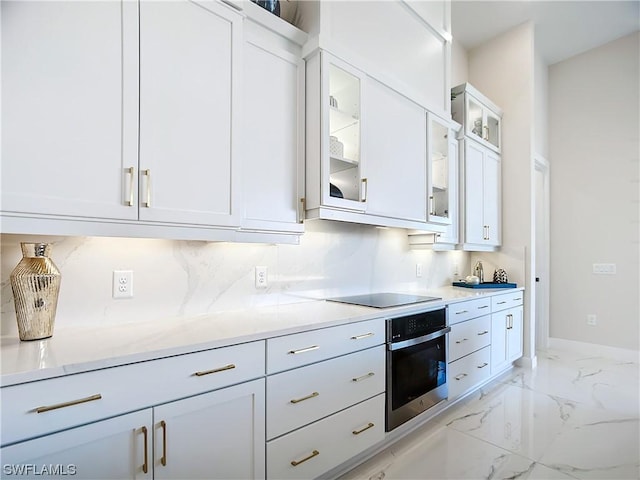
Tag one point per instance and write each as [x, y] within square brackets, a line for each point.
[506, 338]
[313, 450]
[467, 372]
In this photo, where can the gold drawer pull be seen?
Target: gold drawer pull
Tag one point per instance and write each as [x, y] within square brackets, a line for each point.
[129, 203]
[298, 400]
[460, 377]
[501, 303]
[303, 350]
[147, 173]
[231, 366]
[365, 335]
[517, 299]
[357, 379]
[163, 460]
[462, 311]
[483, 333]
[483, 306]
[358, 432]
[483, 365]
[68, 404]
[295, 463]
[145, 467]
[463, 340]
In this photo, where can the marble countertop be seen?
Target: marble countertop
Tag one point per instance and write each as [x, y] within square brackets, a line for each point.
[81, 349]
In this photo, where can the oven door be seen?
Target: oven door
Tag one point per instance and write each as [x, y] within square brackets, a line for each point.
[416, 376]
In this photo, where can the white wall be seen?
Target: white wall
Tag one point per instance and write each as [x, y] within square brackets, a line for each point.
[503, 70]
[541, 102]
[459, 64]
[593, 151]
[182, 278]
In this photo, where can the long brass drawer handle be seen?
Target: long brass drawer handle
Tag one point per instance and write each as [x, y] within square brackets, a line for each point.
[295, 463]
[145, 465]
[483, 306]
[163, 460]
[231, 366]
[460, 377]
[358, 432]
[483, 365]
[462, 311]
[147, 173]
[463, 340]
[303, 350]
[364, 335]
[483, 333]
[368, 375]
[48, 408]
[517, 299]
[131, 171]
[501, 303]
[298, 400]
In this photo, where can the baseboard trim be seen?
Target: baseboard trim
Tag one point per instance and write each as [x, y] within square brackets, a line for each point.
[615, 353]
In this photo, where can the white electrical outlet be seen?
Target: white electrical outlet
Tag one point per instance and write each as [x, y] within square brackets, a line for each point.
[419, 270]
[123, 284]
[262, 280]
[455, 270]
[592, 320]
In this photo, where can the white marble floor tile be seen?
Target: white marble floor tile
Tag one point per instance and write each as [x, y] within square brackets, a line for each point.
[573, 417]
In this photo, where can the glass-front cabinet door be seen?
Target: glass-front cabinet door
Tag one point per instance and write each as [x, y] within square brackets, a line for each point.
[441, 178]
[344, 183]
[479, 115]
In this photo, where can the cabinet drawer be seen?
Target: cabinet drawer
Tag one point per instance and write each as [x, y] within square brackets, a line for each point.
[321, 446]
[299, 397]
[469, 371]
[507, 300]
[467, 337]
[37, 408]
[292, 351]
[461, 311]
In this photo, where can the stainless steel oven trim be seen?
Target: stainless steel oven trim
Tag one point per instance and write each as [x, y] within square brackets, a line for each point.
[416, 341]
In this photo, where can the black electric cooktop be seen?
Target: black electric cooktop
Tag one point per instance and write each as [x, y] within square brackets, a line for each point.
[383, 300]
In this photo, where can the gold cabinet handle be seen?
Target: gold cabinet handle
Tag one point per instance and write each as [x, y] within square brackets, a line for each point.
[365, 188]
[488, 232]
[486, 130]
[163, 460]
[460, 377]
[517, 299]
[231, 366]
[298, 400]
[509, 322]
[302, 206]
[295, 463]
[463, 340]
[483, 333]
[483, 306]
[147, 173]
[501, 303]
[145, 465]
[462, 311]
[368, 375]
[431, 210]
[483, 365]
[364, 335]
[131, 172]
[303, 350]
[358, 432]
[48, 408]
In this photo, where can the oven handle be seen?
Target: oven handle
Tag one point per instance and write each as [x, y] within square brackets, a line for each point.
[416, 341]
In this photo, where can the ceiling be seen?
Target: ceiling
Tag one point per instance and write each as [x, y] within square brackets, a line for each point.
[563, 28]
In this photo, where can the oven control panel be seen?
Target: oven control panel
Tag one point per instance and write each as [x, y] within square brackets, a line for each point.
[417, 325]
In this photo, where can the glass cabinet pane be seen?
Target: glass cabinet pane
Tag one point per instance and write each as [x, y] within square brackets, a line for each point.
[440, 179]
[344, 134]
[475, 125]
[492, 130]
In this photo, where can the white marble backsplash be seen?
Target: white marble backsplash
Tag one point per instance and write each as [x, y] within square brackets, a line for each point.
[185, 278]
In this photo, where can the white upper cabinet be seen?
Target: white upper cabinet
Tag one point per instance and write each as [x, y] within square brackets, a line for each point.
[69, 108]
[441, 181]
[188, 112]
[479, 116]
[396, 142]
[273, 125]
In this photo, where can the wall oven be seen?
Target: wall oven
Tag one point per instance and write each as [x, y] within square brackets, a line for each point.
[416, 364]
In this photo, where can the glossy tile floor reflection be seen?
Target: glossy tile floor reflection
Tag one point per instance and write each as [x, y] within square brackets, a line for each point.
[573, 417]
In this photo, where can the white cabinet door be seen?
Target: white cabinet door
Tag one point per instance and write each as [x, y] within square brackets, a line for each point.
[515, 339]
[118, 448]
[69, 107]
[273, 121]
[217, 435]
[481, 197]
[499, 355]
[189, 79]
[396, 155]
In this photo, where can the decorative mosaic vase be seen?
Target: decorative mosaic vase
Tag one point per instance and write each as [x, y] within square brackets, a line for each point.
[35, 283]
[500, 276]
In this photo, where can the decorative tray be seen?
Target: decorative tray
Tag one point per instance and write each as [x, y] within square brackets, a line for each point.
[485, 285]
